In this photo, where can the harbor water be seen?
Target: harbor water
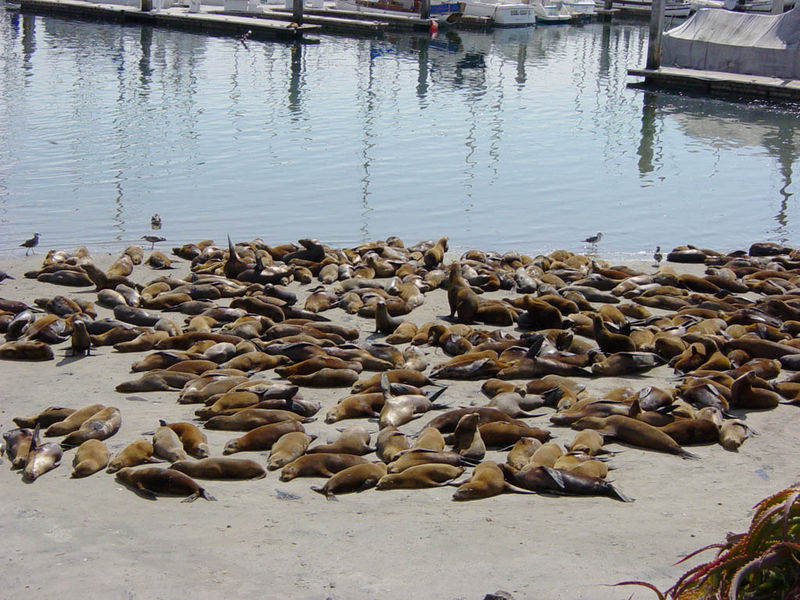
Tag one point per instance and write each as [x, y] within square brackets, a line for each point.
[527, 139]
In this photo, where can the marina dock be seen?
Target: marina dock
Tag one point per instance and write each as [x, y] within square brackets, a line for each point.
[716, 83]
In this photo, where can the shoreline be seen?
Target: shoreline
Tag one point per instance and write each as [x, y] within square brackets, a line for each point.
[70, 534]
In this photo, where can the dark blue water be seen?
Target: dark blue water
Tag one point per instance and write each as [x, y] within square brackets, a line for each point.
[528, 139]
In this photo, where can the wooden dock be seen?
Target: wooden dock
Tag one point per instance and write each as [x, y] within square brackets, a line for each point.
[205, 21]
[716, 83]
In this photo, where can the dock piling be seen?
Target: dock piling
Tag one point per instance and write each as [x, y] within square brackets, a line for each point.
[656, 31]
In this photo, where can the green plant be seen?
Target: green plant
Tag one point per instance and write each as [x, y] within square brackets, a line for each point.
[761, 564]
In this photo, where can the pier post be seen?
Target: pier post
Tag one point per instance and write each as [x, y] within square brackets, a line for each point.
[297, 11]
[656, 29]
[425, 9]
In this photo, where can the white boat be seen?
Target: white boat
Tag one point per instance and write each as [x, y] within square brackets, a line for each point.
[643, 8]
[580, 8]
[551, 14]
[440, 10]
[503, 14]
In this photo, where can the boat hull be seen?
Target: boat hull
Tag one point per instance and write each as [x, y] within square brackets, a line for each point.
[503, 14]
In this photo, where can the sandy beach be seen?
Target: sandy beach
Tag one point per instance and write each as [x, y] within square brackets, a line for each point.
[72, 538]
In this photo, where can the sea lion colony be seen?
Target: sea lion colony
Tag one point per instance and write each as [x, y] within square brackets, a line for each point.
[533, 329]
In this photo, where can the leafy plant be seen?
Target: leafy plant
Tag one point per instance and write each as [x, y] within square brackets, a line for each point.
[761, 564]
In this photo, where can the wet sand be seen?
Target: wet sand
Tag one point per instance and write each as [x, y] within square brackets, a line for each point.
[68, 538]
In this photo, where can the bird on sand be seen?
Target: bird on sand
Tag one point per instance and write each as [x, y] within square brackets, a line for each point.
[153, 239]
[657, 256]
[155, 221]
[594, 239]
[30, 244]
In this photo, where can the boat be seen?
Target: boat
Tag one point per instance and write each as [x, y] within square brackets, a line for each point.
[579, 8]
[503, 14]
[643, 8]
[442, 11]
[551, 14]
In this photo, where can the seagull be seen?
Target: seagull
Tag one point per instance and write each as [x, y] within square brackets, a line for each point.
[657, 255]
[594, 239]
[153, 239]
[30, 244]
[155, 221]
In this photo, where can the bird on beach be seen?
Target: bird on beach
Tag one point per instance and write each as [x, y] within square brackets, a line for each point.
[153, 239]
[594, 239]
[30, 244]
[155, 221]
[657, 256]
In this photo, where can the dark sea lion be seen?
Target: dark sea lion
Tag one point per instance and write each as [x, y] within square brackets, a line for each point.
[420, 476]
[352, 479]
[320, 465]
[159, 380]
[250, 418]
[136, 453]
[154, 481]
[627, 363]
[447, 421]
[80, 343]
[687, 432]
[287, 448]
[261, 438]
[92, 456]
[26, 350]
[326, 378]
[220, 467]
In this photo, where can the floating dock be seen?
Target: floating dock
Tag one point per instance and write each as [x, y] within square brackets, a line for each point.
[178, 17]
[717, 83]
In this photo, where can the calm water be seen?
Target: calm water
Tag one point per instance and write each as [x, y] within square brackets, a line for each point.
[527, 139]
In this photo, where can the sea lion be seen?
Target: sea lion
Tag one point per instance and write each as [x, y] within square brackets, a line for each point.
[587, 441]
[520, 454]
[26, 350]
[500, 434]
[746, 395]
[420, 476]
[390, 443]
[194, 441]
[287, 448]
[18, 446]
[326, 378]
[556, 481]
[136, 453]
[688, 432]
[320, 465]
[250, 418]
[41, 458]
[356, 406]
[50, 415]
[167, 444]
[159, 380]
[153, 481]
[352, 479]
[220, 467]
[80, 341]
[429, 439]
[487, 480]
[353, 440]
[733, 433]
[546, 455]
[100, 426]
[415, 456]
[627, 363]
[582, 464]
[92, 456]
[467, 440]
[634, 432]
[447, 421]
[383, 322]
[394, 376]
[515, 404]
[261, 438]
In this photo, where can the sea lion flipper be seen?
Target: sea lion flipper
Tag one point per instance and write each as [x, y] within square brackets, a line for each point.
[192, 498]
[619, 495]
[555, 475]
[516, 489]
[434, 395]
[686, 454]
[145, 493]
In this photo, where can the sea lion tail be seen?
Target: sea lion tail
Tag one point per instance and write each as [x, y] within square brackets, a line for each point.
[615, 493]
[434, 395]
[689, 455]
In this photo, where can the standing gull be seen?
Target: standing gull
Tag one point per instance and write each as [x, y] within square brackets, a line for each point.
[657, 256]
[153, 239]
[594, 239]
[30, 244]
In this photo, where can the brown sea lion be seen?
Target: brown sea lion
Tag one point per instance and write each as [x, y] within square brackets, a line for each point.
[356, 406]
[487, 480]
[50, 415]
[353, 440]
[136, 453]
[153, 481]
[352, 479]
[326, 378]
[634, 432]
[520, 454]
[167, 444]
[26, 350]
[547, 455]
[320, 465]
[194, 441]
[220, 467]
[390, 443]
[100, 426]
[467, 440]
[587, 441]
[92, 456]
[744, 394]
[733, 433]
[261, 438]
[250, 418]
[500, 434]
[287, 448]
[429, 439]
[41, 458]
[687, 432]
[420, 476]
[414, 456]
[18, 446]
